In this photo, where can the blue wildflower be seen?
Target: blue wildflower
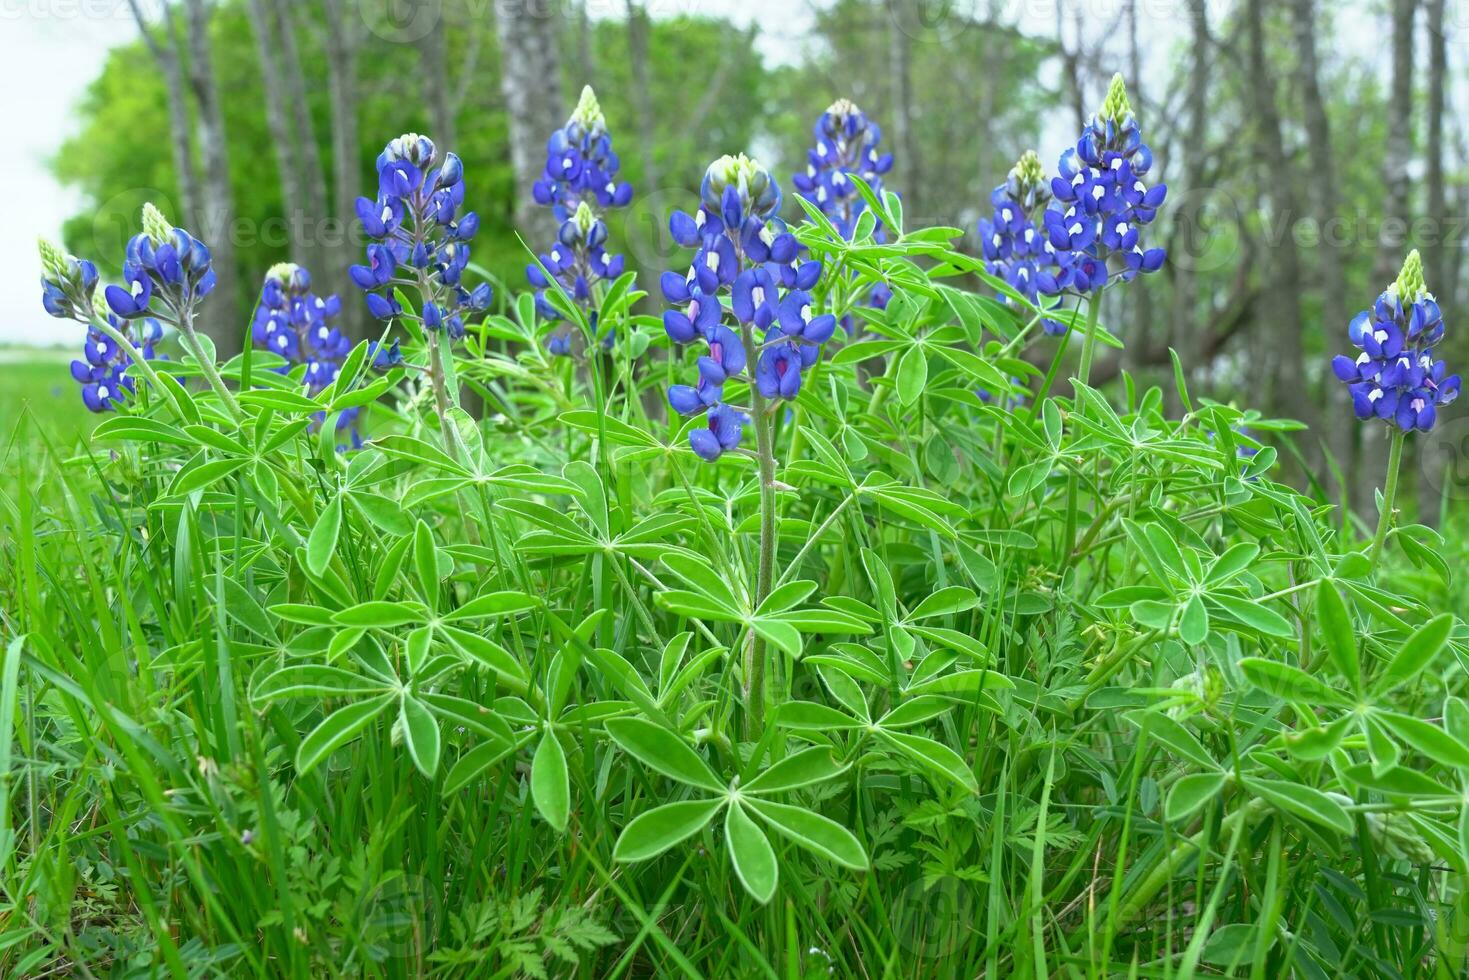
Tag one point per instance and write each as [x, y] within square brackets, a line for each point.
[744, 251]
[103, 370]
[1014, 248]
[421, 238]
[579, 184]
[295, 323]
[724, 429]
[1395, 376]
[846, 146]
[1102, 201]
[68, 284]
[165, 261]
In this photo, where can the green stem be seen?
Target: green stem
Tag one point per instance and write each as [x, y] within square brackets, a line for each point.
[1093, 308]
[1389, 494]
[1035, 405]
[206, 365]
[1089, 345]
[144, 368]
[765, 573]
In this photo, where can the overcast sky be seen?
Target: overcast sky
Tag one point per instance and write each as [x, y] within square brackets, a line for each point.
[50, 50]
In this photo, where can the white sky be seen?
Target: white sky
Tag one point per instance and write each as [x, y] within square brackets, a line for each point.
[50, 51]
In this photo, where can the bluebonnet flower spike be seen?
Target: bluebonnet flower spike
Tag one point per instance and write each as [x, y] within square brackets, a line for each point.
[579, 184]
[743, 250]
[67, 283]
[1015, 249]
[1395, 376]
[421, 235]
[1102, 201]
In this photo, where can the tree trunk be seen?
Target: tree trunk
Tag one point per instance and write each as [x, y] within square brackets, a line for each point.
[434, 70]
[283, 133]
[168, 56]
[313, 180]
[1439, 255]
[1391, 244]
[1187, 328]
[341, 239]
[216, 220]
[905, 146]
[1325, 201]
[1399, 151]
[1281, 326]
[530, 79]
[642, 91]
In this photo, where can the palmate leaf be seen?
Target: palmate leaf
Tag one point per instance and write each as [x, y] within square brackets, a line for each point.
[661, 750]
[550, 783]
[650, 834]
[817, 834]
[338, 728]
[750, 853]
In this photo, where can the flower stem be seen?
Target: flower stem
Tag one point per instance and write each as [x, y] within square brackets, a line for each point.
[1089, 345]
[136, 356]
[765, 571]
[1389, 494]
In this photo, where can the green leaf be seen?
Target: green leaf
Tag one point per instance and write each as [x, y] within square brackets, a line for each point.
[651, 833]
[1302, 801]
[312, 680]
[912, 374]
[420, 734]
[812, 716]
[1249, 612]
[486, 652]
[322, 543]
[336, 729]
[379, 614]
[1193, 625]
[1336, 630]
[1190, 793]
[550, 784]
[1290, 683]
[750, 853]
[945, 602]
[1416, 653]
[493, 604]
[1435, 743]
[934, 756]
[805, 768]
[1173, 736]
[818, 834]
[426, 564]
[661, 750]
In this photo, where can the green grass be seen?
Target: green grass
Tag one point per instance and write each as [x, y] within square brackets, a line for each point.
[39, 401]
[1078, 692]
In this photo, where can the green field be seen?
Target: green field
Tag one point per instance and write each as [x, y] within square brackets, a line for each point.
[39, 402]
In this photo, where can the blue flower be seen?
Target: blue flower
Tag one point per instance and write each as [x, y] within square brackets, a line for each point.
[292, 321]
[1395, 376]
[421, 237]
[1102, 201]
[1015, 249]
[846, 145]
[724, 429]
[744, 251]
[68, 284]
[103, 370]
[165, 261]
[579, 184]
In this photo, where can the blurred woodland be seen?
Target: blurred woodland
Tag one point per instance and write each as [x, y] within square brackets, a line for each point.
[1306, 147]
